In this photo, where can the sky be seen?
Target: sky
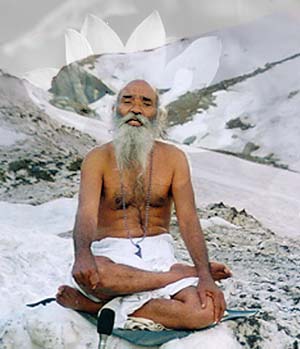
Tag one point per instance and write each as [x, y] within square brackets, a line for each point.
[32, 31]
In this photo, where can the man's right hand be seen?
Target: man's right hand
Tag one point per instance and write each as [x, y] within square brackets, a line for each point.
[85, 271]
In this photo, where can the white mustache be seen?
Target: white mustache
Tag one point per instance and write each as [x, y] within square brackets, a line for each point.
[122, 120]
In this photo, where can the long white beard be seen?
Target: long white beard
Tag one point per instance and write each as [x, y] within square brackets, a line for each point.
[133, 144]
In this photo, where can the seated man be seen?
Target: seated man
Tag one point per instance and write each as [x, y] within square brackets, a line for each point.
[121, 235]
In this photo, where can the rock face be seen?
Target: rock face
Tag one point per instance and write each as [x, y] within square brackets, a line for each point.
[74, 89]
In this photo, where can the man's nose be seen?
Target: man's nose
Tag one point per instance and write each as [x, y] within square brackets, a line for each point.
[136, 109]
[135, 112]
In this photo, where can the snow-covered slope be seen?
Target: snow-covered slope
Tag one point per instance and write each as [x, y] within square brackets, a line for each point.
[253, 103]
[252, 45]
[272, 195]
[262, 110]
[253, 113]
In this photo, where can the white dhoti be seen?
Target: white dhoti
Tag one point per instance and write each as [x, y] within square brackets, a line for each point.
[157, 256]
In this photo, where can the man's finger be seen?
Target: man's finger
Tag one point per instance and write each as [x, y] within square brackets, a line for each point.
[94, 279]
[85, 276]
[222, 312]
[79, 278]
[202, 296]
[82, 279]
[223, 307]
[217, 306]
[227, 271]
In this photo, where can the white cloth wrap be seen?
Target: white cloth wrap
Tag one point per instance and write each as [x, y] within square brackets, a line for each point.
[157, 255]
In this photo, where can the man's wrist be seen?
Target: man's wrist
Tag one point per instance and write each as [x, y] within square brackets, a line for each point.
[204, 273]
[83, 252]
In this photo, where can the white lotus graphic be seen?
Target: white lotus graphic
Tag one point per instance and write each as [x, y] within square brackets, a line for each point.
[195, 67]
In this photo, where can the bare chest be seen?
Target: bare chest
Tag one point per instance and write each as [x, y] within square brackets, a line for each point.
[137, 190]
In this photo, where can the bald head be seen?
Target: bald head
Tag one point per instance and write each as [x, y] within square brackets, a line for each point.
[139, 88]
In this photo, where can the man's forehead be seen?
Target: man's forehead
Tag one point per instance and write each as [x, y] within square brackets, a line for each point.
[139, 88]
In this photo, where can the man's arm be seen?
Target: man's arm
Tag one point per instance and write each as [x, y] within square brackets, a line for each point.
[192, 234]
[91, 179]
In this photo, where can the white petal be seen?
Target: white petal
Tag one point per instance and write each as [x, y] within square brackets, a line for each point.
[201, 57]
[148, 34]
[181, 84]
[77, 46]
[100, 36]
[41, 77]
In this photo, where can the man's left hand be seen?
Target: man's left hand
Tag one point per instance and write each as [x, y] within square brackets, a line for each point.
[207, 287]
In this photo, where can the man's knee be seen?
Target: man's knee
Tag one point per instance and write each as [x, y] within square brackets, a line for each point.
[196, 317]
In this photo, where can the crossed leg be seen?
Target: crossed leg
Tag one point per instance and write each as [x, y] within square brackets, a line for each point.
[183, 311]
[71, 298]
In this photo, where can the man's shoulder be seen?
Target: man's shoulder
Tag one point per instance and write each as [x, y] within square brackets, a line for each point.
[98, 155]
[100, 150]
[170, 149]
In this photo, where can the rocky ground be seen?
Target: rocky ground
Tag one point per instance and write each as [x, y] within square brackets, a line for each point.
[43, 161]
[45, 164]
[265, 276]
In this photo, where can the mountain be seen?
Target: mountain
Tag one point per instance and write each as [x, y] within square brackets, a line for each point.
[245, 103]
[253, 116]
[249, 46]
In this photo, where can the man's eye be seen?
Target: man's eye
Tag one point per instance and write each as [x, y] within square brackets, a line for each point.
[147, 104]
[126, 102]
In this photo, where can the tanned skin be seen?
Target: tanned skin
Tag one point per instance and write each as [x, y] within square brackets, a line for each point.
[100, 215]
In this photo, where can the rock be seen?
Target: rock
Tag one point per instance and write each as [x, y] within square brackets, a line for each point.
[189, 140]
[249, 148]
[238, 123]
[74, 89]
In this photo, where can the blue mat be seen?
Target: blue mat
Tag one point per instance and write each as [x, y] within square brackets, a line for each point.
[154, 338]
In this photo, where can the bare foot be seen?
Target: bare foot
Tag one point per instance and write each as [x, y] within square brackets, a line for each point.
[69, 297]
[219, 271]
[184, 270]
